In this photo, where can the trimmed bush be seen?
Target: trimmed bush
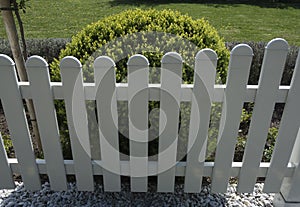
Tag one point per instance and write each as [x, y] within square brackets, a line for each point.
[50, 50]
[92, 40]
[148, 32]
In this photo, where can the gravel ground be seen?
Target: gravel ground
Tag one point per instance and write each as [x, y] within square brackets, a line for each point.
[46, 197]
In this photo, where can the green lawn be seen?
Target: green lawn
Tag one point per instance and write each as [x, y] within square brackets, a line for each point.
[235, 22]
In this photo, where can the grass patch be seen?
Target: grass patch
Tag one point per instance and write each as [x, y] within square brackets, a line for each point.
[235, 22]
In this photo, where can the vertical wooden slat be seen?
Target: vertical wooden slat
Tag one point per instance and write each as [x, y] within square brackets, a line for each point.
[204, 79]
[6, 179]
[287, 134]
[289, 190]
[270, 76]
[17, 124]
[236, 86]
[38, 75]
[171, 73]
[138, 78]
[71, 73]
[108, 122]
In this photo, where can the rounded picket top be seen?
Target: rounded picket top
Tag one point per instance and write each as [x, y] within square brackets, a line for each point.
[207, 54]
[70, 62]
[171, 58]
[278, 44]
[5, 60]
[103, 65]
[242, 50]
[104, 62]
[138, 59]
[36, 61]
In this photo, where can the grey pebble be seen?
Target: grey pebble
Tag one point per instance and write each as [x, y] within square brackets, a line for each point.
[46, 197]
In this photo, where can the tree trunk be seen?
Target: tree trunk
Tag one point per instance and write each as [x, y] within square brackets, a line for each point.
[13, 39]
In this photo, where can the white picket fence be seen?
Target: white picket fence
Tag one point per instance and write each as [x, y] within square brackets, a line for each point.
[282, 173]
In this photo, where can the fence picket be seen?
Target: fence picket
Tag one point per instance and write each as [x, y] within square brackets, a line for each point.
[38, 75]
[12, 104]
[171, 73]
[204, 79]
[71, 74]
[287, 134]
[289, 190]
[6, 178]
[108, 122]
[282, 173]
[238, 73]
[270, 76]
[138, 78]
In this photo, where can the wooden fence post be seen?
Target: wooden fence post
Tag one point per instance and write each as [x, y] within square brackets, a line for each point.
[17, 123]
[42, 96]
[236, 86]
[71, 74]
[105, 83]
[204, 80]
[171, 73]
[269, 81]
[287, 145]
[138, 78]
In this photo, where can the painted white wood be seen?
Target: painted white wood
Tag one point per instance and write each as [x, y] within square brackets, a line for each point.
[17, 124]
[38, 75]
[204, 79]
[285, 140]
[279, 201]
[290, 186]
[6, 178]
[270, 76]
[108, 122]
[138, 78]
[284, 166]
[171, 73]
[71, 74]
[237, 78]
[152, 168]
[186, 92]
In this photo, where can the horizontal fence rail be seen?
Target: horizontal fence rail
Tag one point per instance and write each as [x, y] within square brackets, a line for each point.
[170, 93]
[154, 89]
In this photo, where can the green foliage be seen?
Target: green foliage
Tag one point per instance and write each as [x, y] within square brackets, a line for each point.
[22, 5]
[268, 149]
[275, 19]
[151, 33]
[270, 143]
[7, 144]
[94, 37]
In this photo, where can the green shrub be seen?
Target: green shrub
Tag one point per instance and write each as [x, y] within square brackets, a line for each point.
[8, 146]
[97, 35]
[270, 143]
[148, 32]
[268, 149]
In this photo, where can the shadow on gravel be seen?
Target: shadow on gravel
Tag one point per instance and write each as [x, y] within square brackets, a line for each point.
[72, 197]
